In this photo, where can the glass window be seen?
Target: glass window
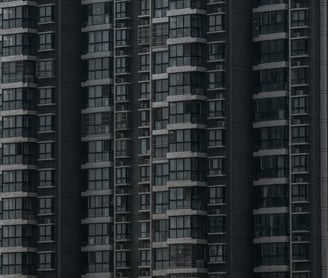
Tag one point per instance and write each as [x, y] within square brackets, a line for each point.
[187, 26]
[46, 150]
[46, 14]
[216, 22]
[46, 41]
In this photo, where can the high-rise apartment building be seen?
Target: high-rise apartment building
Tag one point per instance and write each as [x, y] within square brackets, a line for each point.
[164, 138]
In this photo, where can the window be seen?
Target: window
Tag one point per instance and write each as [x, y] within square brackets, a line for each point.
[144, 146]
[272, 137]
[161, 118]
[299, 47]
[17, 44]
[216, 109]
[122, 65]
[301, 222]
[216, 166]
[98, 96]
[187, 140]
[99, 261]
[272, 166]
[121, 259]
[46, 205]
[160, 228]
[161, 258]
[300, 192]
[46, 232]
[18, 235]
[46, 41]
[216, 80]
[216, 224]
[270, 22]
[187, 55]
[96, 123]
[272, 254]
[99, 234]
[216, 137]
[216, 22]
[122, 9]
[46, 177]
[144, 92]
[216, 51]
[16, 126]
[161, 173]
[188, 256]
[187, 227]
[98, 68]
[272, 80]
[144, 201]
[301, 251]
[187, 169]
[187, 83]
[160, 34]
[160, 8]
[99, 179]
[46, 69]
[99, 151]
[300, 76]
[19, 153]
[161, 202]
[182, 4]
[99, 206]
[272, 51]
[46, 96]
[21, 71]
[276, 195]
[46, 123]
[161, 89]
[144, 229]
[144, 118]
[187, 112]
[300, 163]
[187, 198]
[144, 62]
[299, 18]
[144, 256]
[122, 36]
[144, 7]
[12, 263]
[217, 195]
[271, 225]
[300, 134]
[46, 150]
[122, 175]
[18, 208]
[16, 17]
[217, 253]
[122, 231]
[98, 13]
[46, 14]
[271, 109]
[161, 62]
[187, 26]
[13, 99]
[144, 174]
[18, 180]
[46, 260]
[98, 41]
[161, 146]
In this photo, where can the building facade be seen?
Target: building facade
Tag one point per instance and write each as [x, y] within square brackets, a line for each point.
[164, 138]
